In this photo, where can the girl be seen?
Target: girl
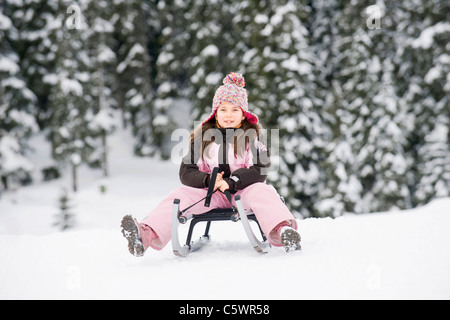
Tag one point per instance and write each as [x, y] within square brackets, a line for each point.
[228, 139]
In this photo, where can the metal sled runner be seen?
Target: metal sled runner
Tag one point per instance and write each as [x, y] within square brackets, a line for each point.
[235, 213]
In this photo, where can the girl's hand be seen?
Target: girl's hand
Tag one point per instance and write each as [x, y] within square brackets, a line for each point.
[220, 176]
[222, 185]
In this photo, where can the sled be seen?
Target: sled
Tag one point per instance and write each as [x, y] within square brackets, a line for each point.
[234, 214]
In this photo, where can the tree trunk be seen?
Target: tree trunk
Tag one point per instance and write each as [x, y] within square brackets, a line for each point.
[74, 178]
[104, 155]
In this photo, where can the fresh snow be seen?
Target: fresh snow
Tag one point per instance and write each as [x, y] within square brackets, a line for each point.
[425, 39]
[394, 255]
[12, 159]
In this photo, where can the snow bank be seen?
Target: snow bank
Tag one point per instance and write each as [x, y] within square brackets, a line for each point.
[402, 255]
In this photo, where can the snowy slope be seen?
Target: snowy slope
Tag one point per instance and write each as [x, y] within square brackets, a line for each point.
[395, 255]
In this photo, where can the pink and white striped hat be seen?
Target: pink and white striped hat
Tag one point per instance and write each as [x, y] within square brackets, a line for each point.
[233, 91]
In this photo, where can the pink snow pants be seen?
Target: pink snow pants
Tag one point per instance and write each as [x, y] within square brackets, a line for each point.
[261, 198]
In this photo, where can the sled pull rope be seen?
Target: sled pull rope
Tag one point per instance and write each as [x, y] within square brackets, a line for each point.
[186, 209]
[211, 191]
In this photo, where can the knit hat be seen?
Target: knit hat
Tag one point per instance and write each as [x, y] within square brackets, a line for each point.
[233, 91]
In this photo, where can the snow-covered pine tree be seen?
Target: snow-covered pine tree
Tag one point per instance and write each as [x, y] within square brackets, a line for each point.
[366, 158]
[385, 164]
[212, 53]
[260, 56]
[17, 111]
[99, 91]
[170, 54]
[65, 219]
[423, 84]
[32, 22]
[70, 134]
[322, 24]
[352, 83]
[132, 21]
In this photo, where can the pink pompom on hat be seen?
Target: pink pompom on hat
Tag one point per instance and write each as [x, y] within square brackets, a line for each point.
[233, 91]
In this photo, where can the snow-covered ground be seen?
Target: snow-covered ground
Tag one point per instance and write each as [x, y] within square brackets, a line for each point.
[395, 255]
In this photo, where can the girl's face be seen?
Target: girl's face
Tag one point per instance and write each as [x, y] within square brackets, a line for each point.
[229, 115]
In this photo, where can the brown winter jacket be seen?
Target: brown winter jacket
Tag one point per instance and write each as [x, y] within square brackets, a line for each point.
[192, 176]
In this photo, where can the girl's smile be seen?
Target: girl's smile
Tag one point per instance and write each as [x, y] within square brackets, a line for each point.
[229, 115]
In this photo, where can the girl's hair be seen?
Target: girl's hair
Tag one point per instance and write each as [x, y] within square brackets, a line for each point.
[243, 135]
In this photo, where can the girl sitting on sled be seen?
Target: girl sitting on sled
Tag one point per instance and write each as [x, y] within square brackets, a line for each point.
[227, 139]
